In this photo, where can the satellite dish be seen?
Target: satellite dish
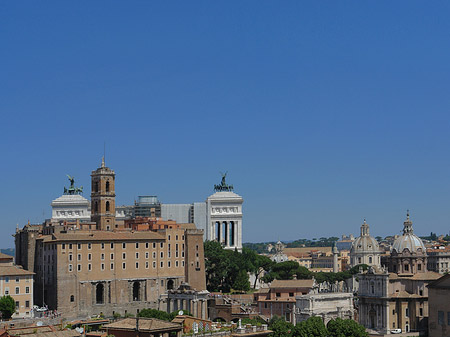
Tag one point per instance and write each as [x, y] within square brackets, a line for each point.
[180, 312]
[40, 323]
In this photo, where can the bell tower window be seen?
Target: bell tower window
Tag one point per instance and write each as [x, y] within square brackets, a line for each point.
[107, 206]
[96, 207]
[107, 186]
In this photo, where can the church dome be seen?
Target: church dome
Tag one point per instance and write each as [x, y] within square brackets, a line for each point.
[408, 240]
[365, 242]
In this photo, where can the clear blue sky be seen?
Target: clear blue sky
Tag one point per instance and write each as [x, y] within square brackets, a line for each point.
[322, 112]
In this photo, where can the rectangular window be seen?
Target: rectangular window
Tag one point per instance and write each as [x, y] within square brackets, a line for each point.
[27, 304]
[70, 257]
[291, 294]
[154, 245]
[63, 246]
[162, 264]
[6, 291]
[79, 246]
[17, 280]
[146, 245]
[154, 264]
[112, 256]
[112, 266]
[278, 294]
[154, 255]
[124, 245]
[70, 267]
[103, 256]
[407, 312]
[17, 304]
[168, 264]
[162, 255]
[89, 266]
[112, 245]
[137, 245]
[70, 246]
[103, 266]
[440, 317]
[137, 265]
[103, 245]
[79, 257]
[137, 255]
[420, 311]
[176, 263]
[123, 265]
[89, 245]
[79, 267]
[161, 245]
[146, 255]
[17, 290]
[124, 256]
[6, 279]
[176, 237]
[89, 257]
[182, 263]
[146, 264]
[27, 290]
[169, 237]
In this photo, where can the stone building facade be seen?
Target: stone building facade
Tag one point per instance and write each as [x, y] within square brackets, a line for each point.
[396, 297]
[439, 259]
[439, 307]
[326, 305]
[224, 219]
[17, 283]
[103, 266]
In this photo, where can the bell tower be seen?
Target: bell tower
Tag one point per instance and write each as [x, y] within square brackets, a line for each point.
[103, 197]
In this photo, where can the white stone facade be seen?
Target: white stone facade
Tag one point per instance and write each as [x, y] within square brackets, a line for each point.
[224, 219]
[326, 305]
[71, 207]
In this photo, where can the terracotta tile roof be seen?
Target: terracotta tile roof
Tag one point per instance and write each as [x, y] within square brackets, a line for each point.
[64, 333]
[106, 236]
[404, 294]
[6, 257]
[442, 283]
[145, 324]
[292, 284]
[427, 276]
[13, 271]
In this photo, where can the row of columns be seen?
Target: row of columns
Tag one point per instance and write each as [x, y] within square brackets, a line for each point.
[225, 232]
[197, 307]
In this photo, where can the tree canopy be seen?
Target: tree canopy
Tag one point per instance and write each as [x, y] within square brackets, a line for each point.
[7, 306]
[314, 327]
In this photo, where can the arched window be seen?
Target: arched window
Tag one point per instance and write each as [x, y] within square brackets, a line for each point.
[170, 284]
[107, 206]
[107, 186]
[99, 290]
[72, 298]
[370, 259]
[96, 207]
[96, 186]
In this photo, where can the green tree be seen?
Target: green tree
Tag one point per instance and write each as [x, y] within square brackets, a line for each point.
[280, 327]
[7, 306]
[216, 265]
[153, 313]
[313, 326]
[345, 328]
[241, 282]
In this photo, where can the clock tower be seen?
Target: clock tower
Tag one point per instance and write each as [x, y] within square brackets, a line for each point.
[103, 197]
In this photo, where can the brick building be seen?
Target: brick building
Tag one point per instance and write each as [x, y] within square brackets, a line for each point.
[106, 266]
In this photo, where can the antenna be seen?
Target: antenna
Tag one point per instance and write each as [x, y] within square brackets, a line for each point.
[104, 149]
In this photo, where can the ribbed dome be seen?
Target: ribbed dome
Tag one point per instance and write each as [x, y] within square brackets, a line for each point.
[365, 242]
[408, 240]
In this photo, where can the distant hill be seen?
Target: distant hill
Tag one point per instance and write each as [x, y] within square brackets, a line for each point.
[9, 251]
